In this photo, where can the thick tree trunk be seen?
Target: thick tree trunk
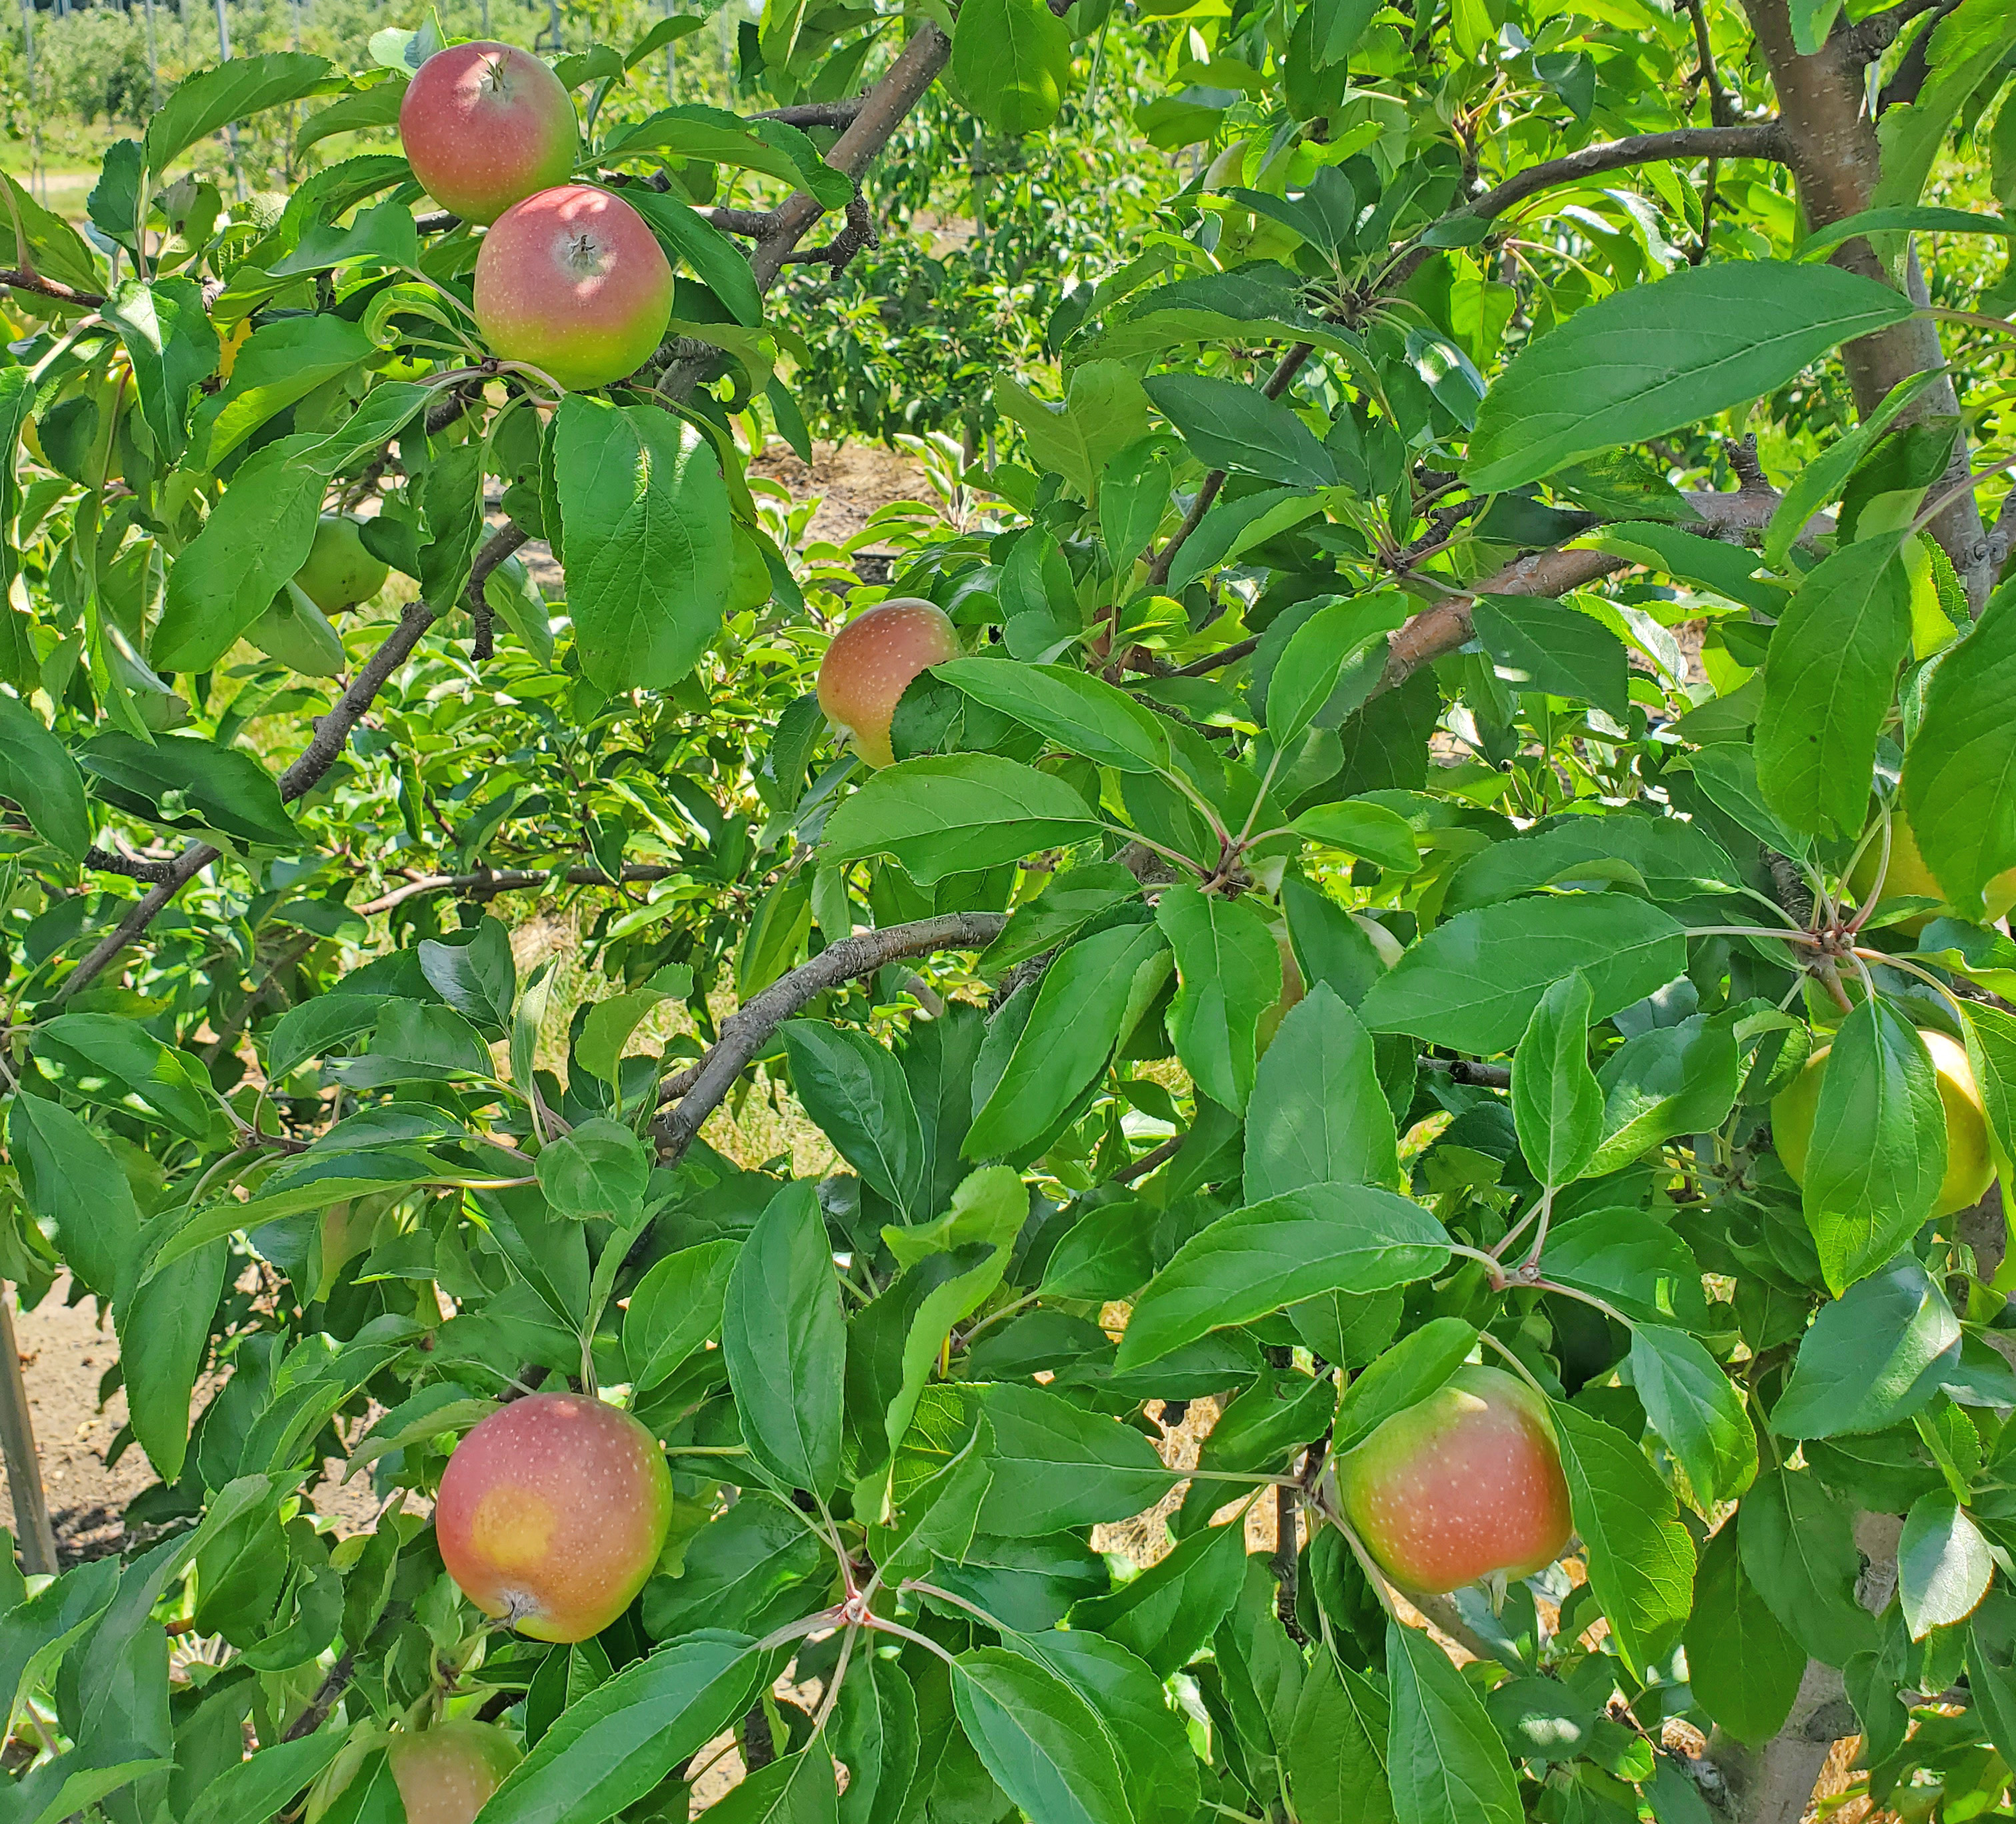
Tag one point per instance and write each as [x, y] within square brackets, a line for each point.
[1831, 144]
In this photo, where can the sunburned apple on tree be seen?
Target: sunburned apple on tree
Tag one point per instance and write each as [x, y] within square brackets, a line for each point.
[872, 662]
[552, 1514]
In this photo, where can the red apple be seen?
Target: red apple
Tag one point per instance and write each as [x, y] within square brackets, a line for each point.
[552, 1514]
[870, 664]
[444, 1774]
[573, 282]
[485, 125]
[1467, 1483]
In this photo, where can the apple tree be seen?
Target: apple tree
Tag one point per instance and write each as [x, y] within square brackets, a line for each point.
[1394, 934]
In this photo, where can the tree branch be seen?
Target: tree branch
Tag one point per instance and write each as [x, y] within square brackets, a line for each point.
[1867, 39]
[881, 111]
[834, 113]
[699, 1089]
[42, 287]
[1765, 140]
[488, 883]
[332, 735]
[133, 867]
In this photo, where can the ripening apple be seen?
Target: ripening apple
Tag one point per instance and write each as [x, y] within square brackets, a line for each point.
[445, 1773]
[573, 282]
[552, 1514]
[486, 125]
[340, 572]
[871, 663]
[1907, 876]
[1464, 1484]
[1970, 1170]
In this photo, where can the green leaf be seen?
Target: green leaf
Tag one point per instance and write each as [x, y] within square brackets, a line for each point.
[1077, 1020]
[280, 362]
[1335, 1755]
[1641, 1559]
[1673, 857]
[1079, 713]
[855, 1090]
[1444, 1758]
[958, 814]
[164, 1331]
[1234, 526]
[38, 774]
[1877, 1153]
[1692, 1405]
[1012, 60]
[1229, 974]
[1799, 1553]
[784, 1341]
[600, 1169]
[1324, 1238]
[117, 1063]
[1318, 1115]
[475, 974]
[1104, 412]
[1472, 983]
[1556, 1102]
[1918, 219]
[1229, 425]
[261, 1785]
[1863, 1365]
[714, 136]
[1727, 570]
[1828, 677]
[645, 516]
[610, 1749]
[687, 235]
[378, 106]
[1166, 1615]
[233, 91]
[1057, 1466]
[1550, 646]
[1743, 1666]
[1633, 1261]
[1372, 832]
[1673, 1079]
[1157, 1762]
[1966, 47]
[875, 1734]
[1415, 1368]
[677, 1307]
[1821, 479]
[169, 340]
[257, 536]
[186, 782]
[1944, 1564]
[72, 1185]
[1960, 771]
[1039, 1738]
[1649, 358]
[36, 1632]
[381, 236]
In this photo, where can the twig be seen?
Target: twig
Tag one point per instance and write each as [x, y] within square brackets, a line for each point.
[860, 231]
[834, 113]
[236, 1023]
[41, 287]
[133, 867]
[1867, 39]
[699, 1088]
[1766, 139]
[1477, 1076]
[1217, 661]
[332, 1687]
[487, 882]
[1148, 1161]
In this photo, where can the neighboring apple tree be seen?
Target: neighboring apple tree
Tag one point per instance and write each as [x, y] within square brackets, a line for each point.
[1422, 860]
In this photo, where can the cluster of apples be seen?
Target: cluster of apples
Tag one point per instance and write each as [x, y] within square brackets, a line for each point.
[570, 279]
